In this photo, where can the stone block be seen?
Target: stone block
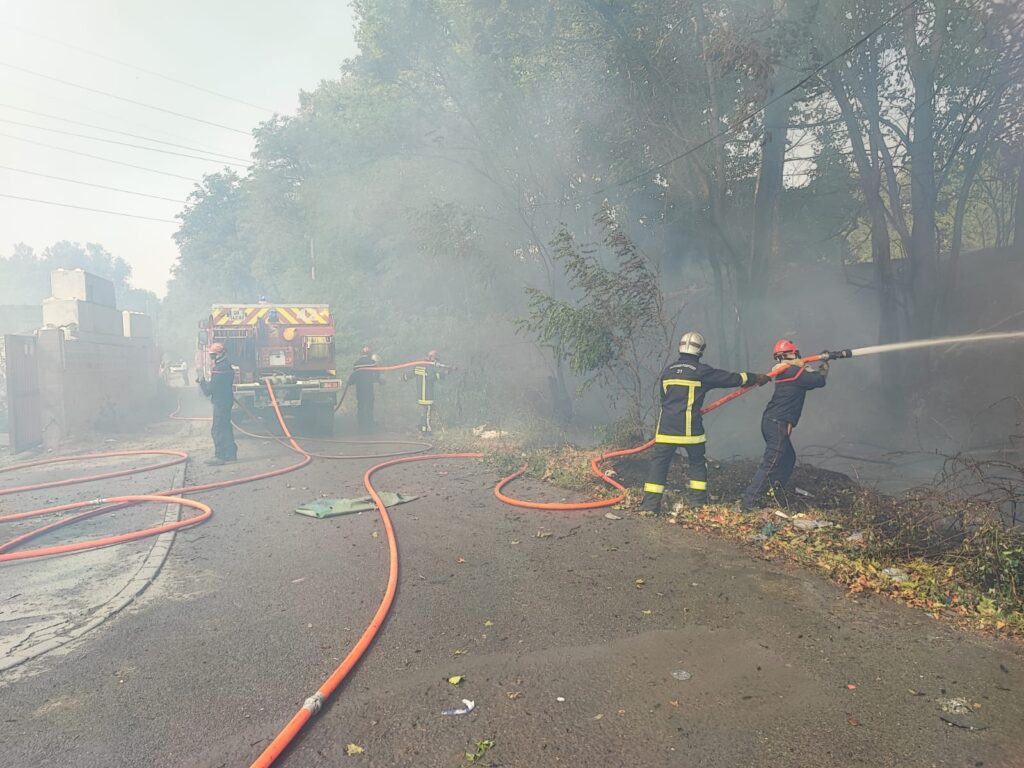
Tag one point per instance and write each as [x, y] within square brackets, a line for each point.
[82, 286]
[87, 316]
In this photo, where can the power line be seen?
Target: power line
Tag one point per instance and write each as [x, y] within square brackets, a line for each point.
[137, 68]
[754, 113]
[95, 157]
[83, 208]
[89, 184]
[121, 98]
[121, 143]
[122, 133]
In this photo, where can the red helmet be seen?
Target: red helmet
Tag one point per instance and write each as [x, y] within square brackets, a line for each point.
[784, 348]
[216, 348]
[433, 355]
[366, 350]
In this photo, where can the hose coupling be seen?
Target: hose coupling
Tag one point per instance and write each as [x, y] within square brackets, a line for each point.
[314, 703]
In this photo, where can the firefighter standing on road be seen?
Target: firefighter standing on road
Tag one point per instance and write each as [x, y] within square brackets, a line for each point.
[683, 386]
[364, 382]
[220, 389]
[792, 382]
[427, 375]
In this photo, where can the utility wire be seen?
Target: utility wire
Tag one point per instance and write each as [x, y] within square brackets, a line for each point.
[83, 208]
[121, 98]
[137, 68]
[123, 133]
[89, 184]
[95, 157]
[122, 143]
[754, 113]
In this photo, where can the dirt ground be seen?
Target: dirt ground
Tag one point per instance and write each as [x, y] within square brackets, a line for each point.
[570, 631]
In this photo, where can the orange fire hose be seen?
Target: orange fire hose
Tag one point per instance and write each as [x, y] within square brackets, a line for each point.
[313, 704]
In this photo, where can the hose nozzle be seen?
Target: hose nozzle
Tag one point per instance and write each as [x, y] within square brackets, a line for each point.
[837, 355]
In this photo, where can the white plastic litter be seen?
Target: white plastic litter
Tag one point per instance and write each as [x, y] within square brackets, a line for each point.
[467, 707]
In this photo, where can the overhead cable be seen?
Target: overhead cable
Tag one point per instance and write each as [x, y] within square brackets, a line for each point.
[122, 143]
[123, 133]
[96, 157]
[89, 184]
[83, 208]
[32, 72]
[136, 67]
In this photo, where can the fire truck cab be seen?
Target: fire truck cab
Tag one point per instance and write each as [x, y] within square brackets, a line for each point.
[291, 345]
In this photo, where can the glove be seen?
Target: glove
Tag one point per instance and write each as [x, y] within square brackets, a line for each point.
[760, 379]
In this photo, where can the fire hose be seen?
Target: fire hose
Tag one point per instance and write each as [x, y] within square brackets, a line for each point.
[313, 704]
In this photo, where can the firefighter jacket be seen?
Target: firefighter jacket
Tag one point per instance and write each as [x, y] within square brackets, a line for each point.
[791, 386]
[364, 380]
[221, 387]
[426, 376]
[683, 386]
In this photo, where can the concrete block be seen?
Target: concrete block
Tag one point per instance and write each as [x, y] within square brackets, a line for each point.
[137, 325]
[20, 319]
[88, 316]
[82, 286]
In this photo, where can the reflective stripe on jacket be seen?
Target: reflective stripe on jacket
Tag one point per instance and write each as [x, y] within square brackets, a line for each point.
[683, 386]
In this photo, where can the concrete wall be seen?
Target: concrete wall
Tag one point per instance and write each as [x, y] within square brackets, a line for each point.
[97, 384]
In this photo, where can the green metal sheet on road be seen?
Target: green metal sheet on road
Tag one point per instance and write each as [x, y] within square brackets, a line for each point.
[321, 508]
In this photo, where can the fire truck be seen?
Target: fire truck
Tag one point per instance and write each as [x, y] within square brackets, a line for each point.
[291, 345]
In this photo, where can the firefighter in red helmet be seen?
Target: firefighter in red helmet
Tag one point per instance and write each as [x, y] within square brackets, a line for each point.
[220, 389]
[793, 380]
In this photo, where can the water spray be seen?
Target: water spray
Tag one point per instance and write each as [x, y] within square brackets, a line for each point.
[877, 349]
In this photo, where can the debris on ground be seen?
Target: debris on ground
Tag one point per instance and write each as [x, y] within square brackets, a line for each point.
[455, 679]
[353, 749]
[896, 574]
[467, 707]
[681, 674]
[802, 492]
[956, 706]
[481, 749]
[484, 433]
[321, 508]
[807, 524]
[857, 537]
[611, 516]
[560, 699]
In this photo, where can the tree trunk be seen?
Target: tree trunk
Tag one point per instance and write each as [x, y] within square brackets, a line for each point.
[1018, 212]
[769, 185]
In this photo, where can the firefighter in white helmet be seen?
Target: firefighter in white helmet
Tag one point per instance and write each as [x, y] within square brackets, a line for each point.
[682, 386]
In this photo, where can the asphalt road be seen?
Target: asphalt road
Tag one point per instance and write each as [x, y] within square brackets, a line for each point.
[567, 654]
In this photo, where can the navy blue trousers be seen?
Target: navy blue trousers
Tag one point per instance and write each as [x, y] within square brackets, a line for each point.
[776, 465]
[223, 434]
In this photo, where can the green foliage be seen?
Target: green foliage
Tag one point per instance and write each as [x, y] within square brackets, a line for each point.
[615, 325]
[25, 277]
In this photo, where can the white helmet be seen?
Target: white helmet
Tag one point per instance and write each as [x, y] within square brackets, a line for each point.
[692, 343]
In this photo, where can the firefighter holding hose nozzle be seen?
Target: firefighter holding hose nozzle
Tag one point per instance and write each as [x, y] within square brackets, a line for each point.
[220, 390]
[683, 385]
[793, 380]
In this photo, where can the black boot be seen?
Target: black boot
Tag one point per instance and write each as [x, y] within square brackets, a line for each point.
[651, 503]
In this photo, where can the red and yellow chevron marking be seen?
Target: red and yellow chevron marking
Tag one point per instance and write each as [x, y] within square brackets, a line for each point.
[286, 315]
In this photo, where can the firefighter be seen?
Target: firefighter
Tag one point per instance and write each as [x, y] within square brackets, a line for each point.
[427, 375]
[793, 379]
[683, 386]
[220, 389]
[364, 382]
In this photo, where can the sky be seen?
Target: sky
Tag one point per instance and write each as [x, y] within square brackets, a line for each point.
[258, 51]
